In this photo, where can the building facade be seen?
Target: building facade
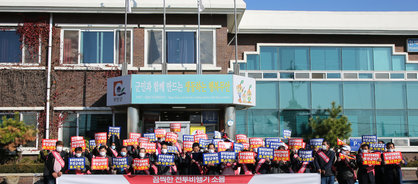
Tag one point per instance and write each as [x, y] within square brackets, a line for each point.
[302, 61]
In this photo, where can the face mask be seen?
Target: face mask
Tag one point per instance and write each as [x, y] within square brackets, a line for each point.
[123, 153]
[364, 151]
[164, 151]
[324, 147]
[78, 154]
[211, 151]
[113, 147]
[142, 155]
[102, 154]
[59, 148]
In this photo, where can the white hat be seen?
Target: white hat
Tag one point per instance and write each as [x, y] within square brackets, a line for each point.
[346, 148]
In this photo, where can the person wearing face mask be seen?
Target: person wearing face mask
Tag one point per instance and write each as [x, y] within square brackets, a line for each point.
[298, 166]
[123, 154]
[152, 168]
[263, 165]
[102, 154]
[114, 143]
[365, 173]
[55, 164]
[112, 150]
[248, 169]
[212, 169]
[168, 170]
[346, 167]
[78, 153]
[324, 159]
[393, 172]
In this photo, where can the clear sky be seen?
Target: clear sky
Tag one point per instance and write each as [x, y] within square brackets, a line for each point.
[333, 5]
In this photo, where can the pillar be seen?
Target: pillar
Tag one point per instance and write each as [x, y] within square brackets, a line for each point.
[134, 124]
[230, 124]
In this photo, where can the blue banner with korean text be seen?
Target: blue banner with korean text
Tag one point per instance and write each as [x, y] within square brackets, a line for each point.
[76, 163]
[120, 163]
[210, 158]
[306, 155]
[264, 153]
[165, 160]
[151, 137]
[227, 156]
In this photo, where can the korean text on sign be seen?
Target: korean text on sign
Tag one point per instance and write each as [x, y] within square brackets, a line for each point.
[49, 144]
[130, 142]
[316, 143]
[272, 139]
[133, 135]
[377, 147]
[256, 142]
[140, 164]
[240, 138]
[203, 143]
[287, 134]
[210, 158]
[295, 143]
[99, 163]
[227, 156]
[144, 140]
[159, 133]
[238, 147]
[392, 157]
[171, 149]
[197, 137]
[264, 153]
[371, 158]
[151, 137]
[275, 145]
[165, 160]
[101, 138]
[114, 131]
[306, 155]
[76, 163]
[92, 143]
[188, 146]
[369, 139]
[171, 137]
[149, 147]
[246, 157]
[120, 163]
[175, 127]
[79, 143]
[281, 155]
[188, 138]
[223, 146]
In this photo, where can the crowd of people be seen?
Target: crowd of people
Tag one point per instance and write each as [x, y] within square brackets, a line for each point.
[339, 163]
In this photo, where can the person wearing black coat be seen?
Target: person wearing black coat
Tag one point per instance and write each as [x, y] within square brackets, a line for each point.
[297, 164]
[196, 160]
[324, 160]
[80, 154]
[53, 169]
[102, 154]
[212, 169]
[123, 154]
[346, 167]
[168, 170]
[365, 173]
[393, 172]
[280, 166]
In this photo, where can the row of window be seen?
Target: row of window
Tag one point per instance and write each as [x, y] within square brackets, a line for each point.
[327, 58]
[383, 123]
[90, 46]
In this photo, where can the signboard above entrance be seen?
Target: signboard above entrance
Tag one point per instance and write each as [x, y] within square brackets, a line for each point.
[181, 89]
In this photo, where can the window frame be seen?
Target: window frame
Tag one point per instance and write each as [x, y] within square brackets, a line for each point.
[173, 66]
[37, 127]
[115, 46]
[23, 50]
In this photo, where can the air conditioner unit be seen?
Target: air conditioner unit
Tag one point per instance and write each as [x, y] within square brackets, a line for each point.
[401, 141]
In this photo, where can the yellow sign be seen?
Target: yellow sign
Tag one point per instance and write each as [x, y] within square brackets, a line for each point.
[197, 130]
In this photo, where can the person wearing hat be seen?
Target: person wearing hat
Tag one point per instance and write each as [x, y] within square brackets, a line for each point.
[346, 166]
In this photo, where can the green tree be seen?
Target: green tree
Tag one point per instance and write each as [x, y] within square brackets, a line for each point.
[333, 127]
[14, 133]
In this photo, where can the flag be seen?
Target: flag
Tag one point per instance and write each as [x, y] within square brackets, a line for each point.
[340, 142]
[200, 5]
[128, 6]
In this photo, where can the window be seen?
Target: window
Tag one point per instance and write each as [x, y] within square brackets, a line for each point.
[362, 122]
[86, 125]
[95, 47]
[357, 58]
[180, 47]
[325, 58]
[391, 123]
[253, 62]
[294, 95]
[295, 120]
[29, 118]
[382, 59]
[293, 58]
[390, 95]
[267, 95]
[11, 52]
[323, 93]
[412, 91]
[269, 58]
[358, 95]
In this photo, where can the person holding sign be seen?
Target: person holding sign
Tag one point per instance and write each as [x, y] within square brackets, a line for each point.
[300, 166]
[324, 159]
[112, 149]
[264, 157]
[55, 163]
[392, 165]
[283, 165]
[365, 173]
[346, 166]
[196, 162]
[212, 169]
[78, 156]
[165, 169]
[152, 169]
[123, 154]
[229, 167]
[102, 154]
